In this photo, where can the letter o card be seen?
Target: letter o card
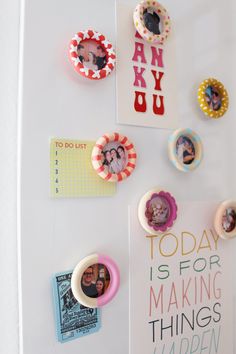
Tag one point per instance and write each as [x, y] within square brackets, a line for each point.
[146, 76]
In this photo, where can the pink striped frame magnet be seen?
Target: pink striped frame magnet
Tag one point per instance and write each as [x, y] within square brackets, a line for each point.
[114, 157]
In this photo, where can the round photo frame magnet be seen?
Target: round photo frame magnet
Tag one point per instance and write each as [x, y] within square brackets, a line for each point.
[152, 21]
[185, 149]
[92, 55]
[225, 219]
[213, 98]
[157, 211]
[95, 280]
[114, 157]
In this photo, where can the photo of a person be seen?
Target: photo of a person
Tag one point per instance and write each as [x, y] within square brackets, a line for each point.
[185, 150]
[116, 164]
[103, 157]
[95, 280]
[88, 283]
[121, 152]
[229, 220]
[101, 57]
[152, 20]
[158, 211]
[91, 62]
[115, 157]
[92, 54]
[81, 52]
[100, 286]
[68, 300]
[213, 98]
[108, 157]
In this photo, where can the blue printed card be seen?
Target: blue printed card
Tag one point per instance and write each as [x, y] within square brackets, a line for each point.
[73, 320]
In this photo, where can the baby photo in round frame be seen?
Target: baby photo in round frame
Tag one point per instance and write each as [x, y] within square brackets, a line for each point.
[225, 220]
[95, 280]
[114, 157]
[157, 211]
[213, 98]
[92, 55]
[152, 21]
[185, 149]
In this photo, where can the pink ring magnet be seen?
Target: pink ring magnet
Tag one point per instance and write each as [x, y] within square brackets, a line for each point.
[89, 280]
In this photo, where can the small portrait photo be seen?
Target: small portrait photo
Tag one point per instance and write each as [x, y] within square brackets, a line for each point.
[229, 220]
[114, 156]
[158, 211]
[92, 54]
[152, 20]
[95, 280]
[185, 150]
[68, 301]
[213, 98]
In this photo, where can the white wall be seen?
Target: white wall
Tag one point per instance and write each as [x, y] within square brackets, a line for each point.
[56, 234]
[9, 32]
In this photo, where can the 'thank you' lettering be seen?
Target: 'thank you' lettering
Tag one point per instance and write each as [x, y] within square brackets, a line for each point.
[139, 58]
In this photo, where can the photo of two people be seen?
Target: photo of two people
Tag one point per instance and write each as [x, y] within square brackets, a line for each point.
[185, 150]
[213, 98]
[229, 220]
[158, 211]
[92, 55]
[95, 280]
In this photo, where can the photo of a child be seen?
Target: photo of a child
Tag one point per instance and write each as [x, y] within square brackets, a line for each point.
[92, 55]
[152, 20]
[158, 211]
[213, 98]
[95, 280]
[114, 157]
[185, 150]
[229, 220]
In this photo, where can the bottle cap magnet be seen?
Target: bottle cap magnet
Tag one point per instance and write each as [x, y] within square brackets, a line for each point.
[213, 98]
[92, 55]
[185, 149]
[152, 21]
[225, 219]
[95, 280]
[114, 157]
[157, 211]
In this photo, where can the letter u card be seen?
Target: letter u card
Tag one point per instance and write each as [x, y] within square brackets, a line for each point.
[146, 76]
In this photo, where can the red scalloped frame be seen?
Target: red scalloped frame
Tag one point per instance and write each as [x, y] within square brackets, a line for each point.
[100, 39]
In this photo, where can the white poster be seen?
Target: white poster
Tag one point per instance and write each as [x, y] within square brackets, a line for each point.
[181, 286]
[146, 76]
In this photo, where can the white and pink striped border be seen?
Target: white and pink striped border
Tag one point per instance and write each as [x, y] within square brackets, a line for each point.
[101, 169]
[77, 275]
